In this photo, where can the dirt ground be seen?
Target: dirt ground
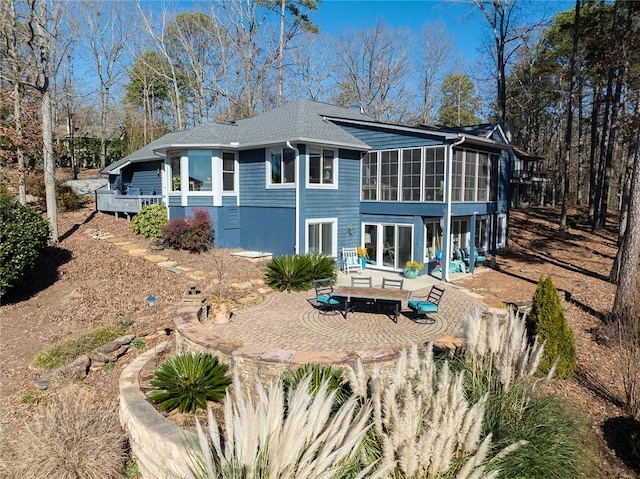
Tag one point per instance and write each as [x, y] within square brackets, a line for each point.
[85, 282]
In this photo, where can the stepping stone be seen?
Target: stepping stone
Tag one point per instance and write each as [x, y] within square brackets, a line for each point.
[171, 269]
[137, 252]
[156, 258]
[184, 268]
[197, 275]
[166, 264]
[116, 240]
[129, 246]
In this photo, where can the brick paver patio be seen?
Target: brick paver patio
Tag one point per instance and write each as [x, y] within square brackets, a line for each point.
[291, 322]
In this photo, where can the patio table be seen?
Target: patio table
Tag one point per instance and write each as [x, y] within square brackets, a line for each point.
[373, 294]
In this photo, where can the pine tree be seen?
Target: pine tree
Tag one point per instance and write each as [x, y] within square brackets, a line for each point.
[546, 320]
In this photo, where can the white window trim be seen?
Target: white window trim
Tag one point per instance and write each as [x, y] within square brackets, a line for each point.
[236, 184]
[334, 233]
[267, 162]
[336, 163]
[379, 226]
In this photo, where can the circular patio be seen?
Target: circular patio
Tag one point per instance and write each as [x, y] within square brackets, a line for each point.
[288, 329]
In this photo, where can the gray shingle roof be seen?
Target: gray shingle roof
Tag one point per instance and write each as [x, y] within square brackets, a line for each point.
[301, 120]
[143, 154]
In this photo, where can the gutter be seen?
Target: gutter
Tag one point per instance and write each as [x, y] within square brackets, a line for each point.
[297, 169]
[447, 223]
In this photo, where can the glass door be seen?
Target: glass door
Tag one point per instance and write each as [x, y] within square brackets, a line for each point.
[394, 241]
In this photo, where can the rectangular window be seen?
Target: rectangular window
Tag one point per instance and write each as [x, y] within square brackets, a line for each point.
[457, 169]
[460, 234]
[483, 177]
[282, 164]
[494, 162]
[482, 233]
[175, 171]
[320, 237]
[470, 176]
[370, 176]
[434, 174]
[228, 171]
[432, 239]
[389, 175]
[321, 166]
[411, 165]
[200, 171]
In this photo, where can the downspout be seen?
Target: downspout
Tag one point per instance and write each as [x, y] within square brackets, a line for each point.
[447, 232]
[297, 170]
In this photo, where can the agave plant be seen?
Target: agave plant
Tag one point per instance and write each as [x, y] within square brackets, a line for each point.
[188, 381]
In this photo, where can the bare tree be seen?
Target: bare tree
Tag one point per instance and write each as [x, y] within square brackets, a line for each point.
[309, 65]
[508, 34]
[372, 72]
[108, 28]
[435, 48]
[38, 43]
[14, 74]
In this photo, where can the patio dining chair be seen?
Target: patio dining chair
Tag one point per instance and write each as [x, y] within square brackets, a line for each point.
[389, 283]
[426, 306]
[324, 296]
[364, 282]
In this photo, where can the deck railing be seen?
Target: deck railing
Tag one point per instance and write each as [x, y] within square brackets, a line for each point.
[110, 201]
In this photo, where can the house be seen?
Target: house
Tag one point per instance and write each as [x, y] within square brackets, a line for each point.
[311, 176]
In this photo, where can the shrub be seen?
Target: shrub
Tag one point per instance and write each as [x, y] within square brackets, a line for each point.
[188, 381]
[319, 374]
[149, 221]
[546, 321]
[289, 273]
[23, 236]
[71, 437]
[67, 199]
[322, 266]
[67, 350]
[194, 234]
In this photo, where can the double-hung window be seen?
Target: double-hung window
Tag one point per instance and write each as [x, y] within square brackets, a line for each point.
[174, 160]
[322, 166]
[228, 171]
[282, 166]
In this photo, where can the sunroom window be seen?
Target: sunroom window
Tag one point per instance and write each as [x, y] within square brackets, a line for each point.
[200, 171]
[175, 172]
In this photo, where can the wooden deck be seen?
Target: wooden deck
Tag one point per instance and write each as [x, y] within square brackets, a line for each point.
[109, 201]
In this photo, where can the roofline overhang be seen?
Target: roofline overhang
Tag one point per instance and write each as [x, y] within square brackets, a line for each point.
[259, 144]
[450, 137]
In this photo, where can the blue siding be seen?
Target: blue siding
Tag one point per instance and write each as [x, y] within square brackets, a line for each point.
[145, 176]
[342, 203]
[268, 229]
[228, 230]
[202, 201]
[253, 187]
[381, 139]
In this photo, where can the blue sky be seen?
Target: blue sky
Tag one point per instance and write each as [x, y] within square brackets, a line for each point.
[462, 19]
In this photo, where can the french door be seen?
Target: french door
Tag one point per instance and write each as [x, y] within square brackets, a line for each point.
[389, 246]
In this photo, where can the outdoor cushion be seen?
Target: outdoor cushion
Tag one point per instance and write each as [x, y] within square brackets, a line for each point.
[423, 306]
[327, 299]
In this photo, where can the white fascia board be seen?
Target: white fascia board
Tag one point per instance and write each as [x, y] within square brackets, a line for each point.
[260, 144]
[389, 126]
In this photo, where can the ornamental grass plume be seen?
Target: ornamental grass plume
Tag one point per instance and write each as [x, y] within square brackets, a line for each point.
[263, 439]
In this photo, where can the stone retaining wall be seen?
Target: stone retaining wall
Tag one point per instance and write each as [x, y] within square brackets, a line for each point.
[157, 444]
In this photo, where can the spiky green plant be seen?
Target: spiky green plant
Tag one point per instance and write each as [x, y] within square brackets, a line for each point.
[289, 273]
[319, 375]
[547, 322]
[188, 381]
[322, 266]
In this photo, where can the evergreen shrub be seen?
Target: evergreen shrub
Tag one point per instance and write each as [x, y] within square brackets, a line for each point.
[194, 234]
[188, 381]
[67, 199]
[547, 321]
[23, 236]
[149, 221]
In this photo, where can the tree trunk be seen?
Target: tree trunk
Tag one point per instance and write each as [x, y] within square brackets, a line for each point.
[593, 172]
[49, 164]
[624, 302]
[568, 132]
[580, 175]
[281, 54]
